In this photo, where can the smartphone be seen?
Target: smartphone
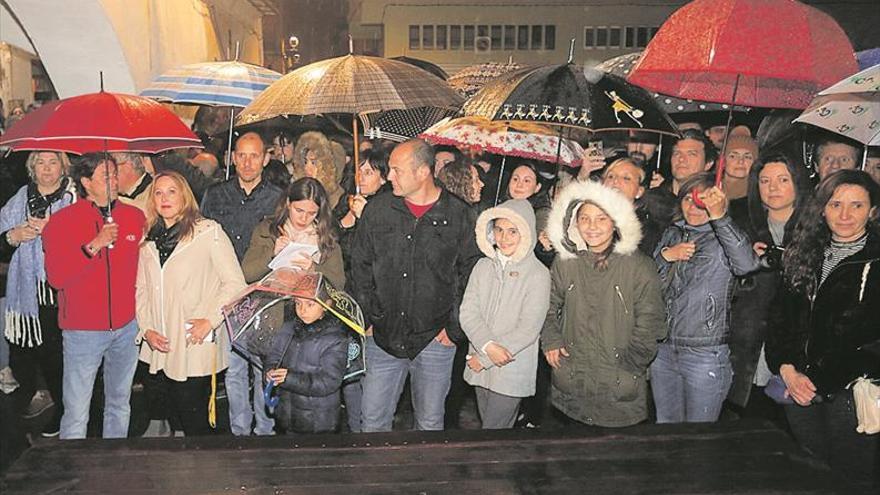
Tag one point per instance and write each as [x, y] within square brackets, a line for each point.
[594, 148]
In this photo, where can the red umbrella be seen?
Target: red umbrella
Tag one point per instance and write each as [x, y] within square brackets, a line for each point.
[779, 53]
[100, 122]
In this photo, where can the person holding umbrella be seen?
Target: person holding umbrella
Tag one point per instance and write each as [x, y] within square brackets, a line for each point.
[91, 250]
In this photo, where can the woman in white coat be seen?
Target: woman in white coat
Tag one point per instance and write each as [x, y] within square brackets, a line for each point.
[503, 310]
[187, 271]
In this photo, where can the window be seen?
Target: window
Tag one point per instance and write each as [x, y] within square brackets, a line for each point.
[427, 37]
[454, 37]
[537, 37]
[653, 33]
[496, 38]
[589, 37]
[483, 31]
[509, 38]
[614, 37]
[630, 37]
[468, 37]
[549, 37]
[441, 37]
[522, 39]
[601, 37]
[414, 37]
[642, 37]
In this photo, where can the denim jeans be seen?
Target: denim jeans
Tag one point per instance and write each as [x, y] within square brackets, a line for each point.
[84, 351]
[690, 383]
[241, 414]
[430, 377]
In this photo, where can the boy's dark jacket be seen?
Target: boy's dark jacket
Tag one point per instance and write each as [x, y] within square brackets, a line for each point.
[315, 360]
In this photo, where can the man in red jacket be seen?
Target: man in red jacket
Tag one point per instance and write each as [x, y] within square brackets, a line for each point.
[91, 258]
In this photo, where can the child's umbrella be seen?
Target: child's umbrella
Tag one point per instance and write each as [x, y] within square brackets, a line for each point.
[254, 318]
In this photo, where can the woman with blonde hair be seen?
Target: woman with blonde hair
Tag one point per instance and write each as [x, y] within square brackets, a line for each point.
[31, 305]
[186, 272]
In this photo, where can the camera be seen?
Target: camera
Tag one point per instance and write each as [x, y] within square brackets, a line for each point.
[772, 258]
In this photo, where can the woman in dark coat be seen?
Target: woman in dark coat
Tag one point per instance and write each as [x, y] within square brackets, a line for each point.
[778, 186]
[825, 333]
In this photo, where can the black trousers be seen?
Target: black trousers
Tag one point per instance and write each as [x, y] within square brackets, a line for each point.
[46, 359]
[828, 431]
[183, 404]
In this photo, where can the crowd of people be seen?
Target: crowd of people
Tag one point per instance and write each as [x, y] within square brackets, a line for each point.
[619, 293]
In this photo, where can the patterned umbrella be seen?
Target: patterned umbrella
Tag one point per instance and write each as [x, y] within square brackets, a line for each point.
[471, 79]
[850, 108]
[520, 139]
[353, 84]
[622, 65]
[233, 84]
[401, 125]
[568, 95]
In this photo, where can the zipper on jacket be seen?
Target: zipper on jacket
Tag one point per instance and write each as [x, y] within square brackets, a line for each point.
[620, 295]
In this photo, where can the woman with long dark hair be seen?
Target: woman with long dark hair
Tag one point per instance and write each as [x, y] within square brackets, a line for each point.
[778, 186]
[303, 216]
[825, 332]
[31, 304]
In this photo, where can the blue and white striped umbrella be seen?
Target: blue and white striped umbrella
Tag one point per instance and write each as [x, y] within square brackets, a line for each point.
[233, 84]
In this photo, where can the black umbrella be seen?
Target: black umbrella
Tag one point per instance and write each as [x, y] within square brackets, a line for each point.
[570, 96]
[401, 125]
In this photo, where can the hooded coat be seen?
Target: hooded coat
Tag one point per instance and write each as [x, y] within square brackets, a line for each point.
[506, 303]
[608, 319]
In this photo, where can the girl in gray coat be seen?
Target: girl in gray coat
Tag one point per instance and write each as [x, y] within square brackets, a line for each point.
[502, 312]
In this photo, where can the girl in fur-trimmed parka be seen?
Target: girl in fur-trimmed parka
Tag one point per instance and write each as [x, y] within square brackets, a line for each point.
[313, 157]
[502, 311]
[606, 313]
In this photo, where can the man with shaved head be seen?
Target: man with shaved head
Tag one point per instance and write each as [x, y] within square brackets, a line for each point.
[238, 205]
[413, 253]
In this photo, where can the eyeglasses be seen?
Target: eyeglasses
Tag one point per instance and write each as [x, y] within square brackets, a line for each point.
[842, 160]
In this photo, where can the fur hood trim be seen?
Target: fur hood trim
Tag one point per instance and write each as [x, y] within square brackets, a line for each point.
[562, 222]
[518, 211]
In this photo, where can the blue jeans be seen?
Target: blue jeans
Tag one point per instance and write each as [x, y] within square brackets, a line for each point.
[241, 414]
[84, 350]
[430, 377]
[690, 383]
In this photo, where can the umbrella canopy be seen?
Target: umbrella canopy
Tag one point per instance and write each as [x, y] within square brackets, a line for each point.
[767, 53]
[353, 84]
[424, 65]
[401, 125]
[850, 108]
[471, 79]
[868, 58]
[622, 65]
[101, 122]
[568, 95]
[233, 84]
[520, 139]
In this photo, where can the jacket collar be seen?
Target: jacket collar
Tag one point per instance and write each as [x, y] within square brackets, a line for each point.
[437, 212]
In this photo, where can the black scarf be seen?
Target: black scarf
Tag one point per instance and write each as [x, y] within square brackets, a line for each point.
[166, 239]
[37, 204]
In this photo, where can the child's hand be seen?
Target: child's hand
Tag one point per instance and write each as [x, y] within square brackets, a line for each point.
[474, 363]
[303, 262]
[554, 357]
[277, 376]
[498, 354]
[682, 251]
[280, 243]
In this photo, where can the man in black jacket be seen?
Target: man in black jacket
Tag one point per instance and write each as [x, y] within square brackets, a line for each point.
[412, 256]
[238, 205]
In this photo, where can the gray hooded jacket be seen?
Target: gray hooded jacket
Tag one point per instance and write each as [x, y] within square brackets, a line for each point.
[506, 304]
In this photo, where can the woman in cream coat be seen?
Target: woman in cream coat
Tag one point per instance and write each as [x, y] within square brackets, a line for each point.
[187, 271]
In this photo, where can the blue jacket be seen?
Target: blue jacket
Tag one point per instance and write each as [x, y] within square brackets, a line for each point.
[315, 356]
[698, 292]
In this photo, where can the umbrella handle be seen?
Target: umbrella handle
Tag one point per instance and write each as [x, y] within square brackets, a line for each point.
[271, 400]
[109, 219]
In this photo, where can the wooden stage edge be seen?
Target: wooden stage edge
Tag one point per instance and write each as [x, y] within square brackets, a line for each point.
[740, 457]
